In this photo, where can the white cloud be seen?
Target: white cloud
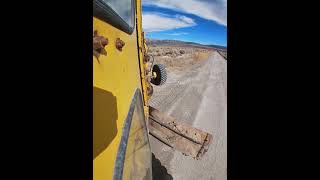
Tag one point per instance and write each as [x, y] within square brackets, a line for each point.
[177, 33]
[185, 19]
[161, 22]
[215, 10]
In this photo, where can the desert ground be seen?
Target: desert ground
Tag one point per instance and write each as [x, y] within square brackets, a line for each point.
[196, 93]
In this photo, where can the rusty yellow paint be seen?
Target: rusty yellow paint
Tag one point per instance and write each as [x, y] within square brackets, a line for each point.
[142, 51]
[116, 76]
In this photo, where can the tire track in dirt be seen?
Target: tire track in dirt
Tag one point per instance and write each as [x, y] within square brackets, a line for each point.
[181, 96]
[198, 96]
[177, 98]
[211, 117]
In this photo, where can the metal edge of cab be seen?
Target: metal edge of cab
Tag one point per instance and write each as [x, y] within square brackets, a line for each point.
[119, 163]
[107, 14]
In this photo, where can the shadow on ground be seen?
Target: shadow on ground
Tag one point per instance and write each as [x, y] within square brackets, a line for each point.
[159, 172]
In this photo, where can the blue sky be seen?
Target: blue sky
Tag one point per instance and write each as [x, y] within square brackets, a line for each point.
[201, 21]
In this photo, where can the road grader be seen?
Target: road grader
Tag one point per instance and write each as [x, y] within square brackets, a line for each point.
[123, 79]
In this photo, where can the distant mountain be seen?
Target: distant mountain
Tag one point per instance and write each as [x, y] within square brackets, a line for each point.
[156, 42]
[218, 47]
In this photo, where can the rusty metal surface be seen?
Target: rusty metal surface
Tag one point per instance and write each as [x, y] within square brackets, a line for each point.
[99, 42]
[180, 136]
[119, 44]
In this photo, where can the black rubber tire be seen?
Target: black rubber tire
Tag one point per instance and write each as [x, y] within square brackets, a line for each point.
[161, 72]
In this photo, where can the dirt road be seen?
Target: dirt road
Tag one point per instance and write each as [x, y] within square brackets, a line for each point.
[197, 96]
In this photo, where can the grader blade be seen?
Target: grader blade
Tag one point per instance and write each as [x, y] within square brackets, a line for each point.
[180, 136]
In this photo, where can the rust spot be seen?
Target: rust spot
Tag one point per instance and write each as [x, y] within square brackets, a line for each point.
[99, 42]
[146, 58]
[149, 90]
[119, 44]
[148, 78]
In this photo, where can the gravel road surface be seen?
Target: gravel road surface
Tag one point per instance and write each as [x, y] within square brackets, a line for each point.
[197, 96]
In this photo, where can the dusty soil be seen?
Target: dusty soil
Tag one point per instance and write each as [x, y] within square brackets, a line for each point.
[196, 93]
[178, 59]
[224, 54]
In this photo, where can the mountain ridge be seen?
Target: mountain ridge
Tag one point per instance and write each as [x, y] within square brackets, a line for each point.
[167, 42]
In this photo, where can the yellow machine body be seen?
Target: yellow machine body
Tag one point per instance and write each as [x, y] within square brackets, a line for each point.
[120, 139]
[122, 117]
